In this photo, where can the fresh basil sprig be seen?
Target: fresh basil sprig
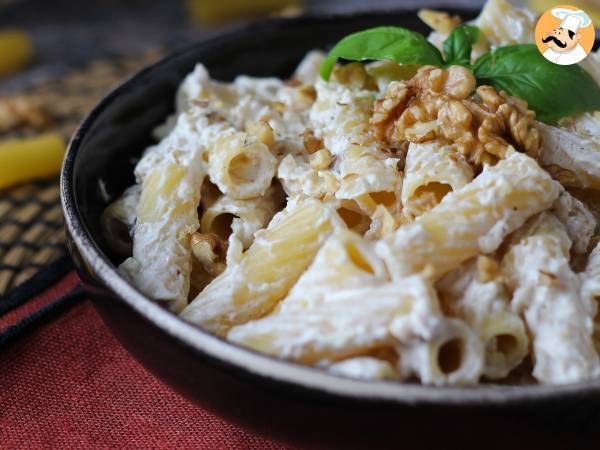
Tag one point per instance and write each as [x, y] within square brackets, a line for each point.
[398, 44]
[458, 46]
[552, 91]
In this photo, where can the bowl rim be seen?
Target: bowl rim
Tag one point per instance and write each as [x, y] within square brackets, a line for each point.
[236, 358]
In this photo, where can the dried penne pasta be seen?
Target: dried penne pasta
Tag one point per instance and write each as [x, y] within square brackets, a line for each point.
[471, 220]
[547, 293]
[251, 288]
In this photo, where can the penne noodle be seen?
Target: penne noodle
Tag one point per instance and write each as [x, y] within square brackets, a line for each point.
[432, 170]
[471, 220]
[251, 288]
[547, 294]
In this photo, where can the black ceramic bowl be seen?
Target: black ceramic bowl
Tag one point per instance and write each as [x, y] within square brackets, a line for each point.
[266, 394]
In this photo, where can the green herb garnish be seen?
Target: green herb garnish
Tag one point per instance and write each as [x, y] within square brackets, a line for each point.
[458, 46]
[551, 90]
[394, 43]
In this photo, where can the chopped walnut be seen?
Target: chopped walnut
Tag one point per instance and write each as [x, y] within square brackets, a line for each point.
[21, 111]
[321, 159]
[439, 104]
[311, 143]
[487, 269]
[353, 75]
[210, 251]
[263, 133]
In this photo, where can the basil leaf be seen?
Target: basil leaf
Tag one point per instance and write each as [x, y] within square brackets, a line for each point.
[551, 90]
[397, 44]
[458, 46]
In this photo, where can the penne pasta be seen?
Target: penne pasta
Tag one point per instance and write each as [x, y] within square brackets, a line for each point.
[432, 170]
[475, 293]
[243, 218]
[471, 220]
[166, 217]
[313, 331]
[547, 294]
[251, 288]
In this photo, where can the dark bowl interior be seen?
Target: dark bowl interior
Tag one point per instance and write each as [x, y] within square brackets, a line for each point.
[99, 165]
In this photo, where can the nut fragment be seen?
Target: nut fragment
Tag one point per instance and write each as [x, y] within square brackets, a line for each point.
[321, 159]
[437, 104]
[487, 269]
[306, 95]
[311, 143]
[210, 251]
[354, 76]
[21, 111]
[263, 133]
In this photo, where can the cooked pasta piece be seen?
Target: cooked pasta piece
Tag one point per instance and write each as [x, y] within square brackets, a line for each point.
[300, 179]
[346, 261]
[313, 331]
[577, 219]
[590, 291]
[242, 167]
[355, 217]
[340, 117]
[307, 71]
[572, 158]
[471, 220]
[547, 293]
[382, 224]
[251, 288]
[451, 355]
[166, 217]
[476, 294]
[432, 170]
[118, 220]
[586, 124]
[365, 367]
[592, 65]
[243, 218]
[504, 24]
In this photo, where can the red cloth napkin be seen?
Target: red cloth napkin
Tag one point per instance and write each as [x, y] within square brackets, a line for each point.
[69, 384]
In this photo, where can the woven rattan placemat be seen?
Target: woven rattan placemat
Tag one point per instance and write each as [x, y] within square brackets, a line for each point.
[31, 226]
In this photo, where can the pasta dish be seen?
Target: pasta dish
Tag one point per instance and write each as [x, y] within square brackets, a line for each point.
[377, 219]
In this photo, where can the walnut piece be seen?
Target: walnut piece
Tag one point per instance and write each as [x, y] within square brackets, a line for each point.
[210, 251]
[440, 104]
[354, 76]
[23, 110]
